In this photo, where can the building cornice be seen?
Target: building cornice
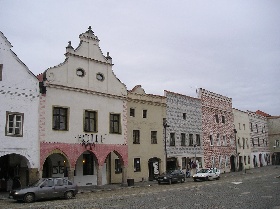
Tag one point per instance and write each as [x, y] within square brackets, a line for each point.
[68, 88]
[68, 54]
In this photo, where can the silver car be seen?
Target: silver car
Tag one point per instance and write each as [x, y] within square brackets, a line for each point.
[46, 188]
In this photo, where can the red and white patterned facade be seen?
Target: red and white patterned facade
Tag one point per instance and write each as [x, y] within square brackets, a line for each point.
[218, 131]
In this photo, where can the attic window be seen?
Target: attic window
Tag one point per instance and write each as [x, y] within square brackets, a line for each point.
[80, 72]
[100, 77]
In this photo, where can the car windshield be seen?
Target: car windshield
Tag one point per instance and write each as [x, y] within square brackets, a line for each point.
[37, 183]
[203, 171]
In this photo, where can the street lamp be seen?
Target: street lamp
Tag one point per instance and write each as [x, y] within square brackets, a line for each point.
[274, 154]
[165, 125]
[195, 157]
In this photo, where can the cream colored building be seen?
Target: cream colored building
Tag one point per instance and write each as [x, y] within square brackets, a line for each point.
[146, 158]
[273, 123]
[243, 148]
[82, 122]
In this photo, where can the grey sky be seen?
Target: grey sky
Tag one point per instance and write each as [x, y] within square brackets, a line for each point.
[228, 47]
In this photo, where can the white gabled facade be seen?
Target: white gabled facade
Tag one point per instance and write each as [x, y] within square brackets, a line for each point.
[19, 102]
[83, 117]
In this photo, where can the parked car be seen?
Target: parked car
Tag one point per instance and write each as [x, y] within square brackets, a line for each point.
[172, 176]
[207, 174]
[46, 188]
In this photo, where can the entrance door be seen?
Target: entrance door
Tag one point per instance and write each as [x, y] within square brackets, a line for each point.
[153, 168]
[232, 163]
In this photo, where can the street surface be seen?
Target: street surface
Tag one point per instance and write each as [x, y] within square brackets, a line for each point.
[257, 189]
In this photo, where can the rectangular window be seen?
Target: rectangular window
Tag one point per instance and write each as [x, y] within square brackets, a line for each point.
[197, 139]
[245, 162]
[60, 118]
[243, 126]
[226, 161]
[136, 137]
[137, 165]
[184, 116]
[183, 139]
[90, 121]
[217, 118]
[248, 159]
[220, 161]
[259, 142]
[14, 124]
[224, 140]
[223, 119]
[211, 140]
[243, 143]
[132, 112]
[277, 143]
[251, 125]
[213, 162]
[172, 139]
[115, 123]
[239, 126]
[154, 137]
[253, 142]
[257, 128]
[218, 140]
[118, 166]
[144, 113]
[190, 139]
[87, 164]
[1, 70]
[184, 163]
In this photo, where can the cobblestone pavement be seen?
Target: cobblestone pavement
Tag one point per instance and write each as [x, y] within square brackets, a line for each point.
[257, 188]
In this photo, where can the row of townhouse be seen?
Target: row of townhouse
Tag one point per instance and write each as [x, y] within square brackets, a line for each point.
[78, 120]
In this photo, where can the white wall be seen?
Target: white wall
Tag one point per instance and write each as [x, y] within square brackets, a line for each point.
[19, 92]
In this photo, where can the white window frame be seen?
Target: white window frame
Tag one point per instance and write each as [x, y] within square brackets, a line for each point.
[14, 124]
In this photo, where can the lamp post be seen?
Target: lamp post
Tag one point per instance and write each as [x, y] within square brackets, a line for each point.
[165, 125]
[274, 154]
[195, 157]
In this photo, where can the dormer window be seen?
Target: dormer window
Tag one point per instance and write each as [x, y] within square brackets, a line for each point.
[80, 72]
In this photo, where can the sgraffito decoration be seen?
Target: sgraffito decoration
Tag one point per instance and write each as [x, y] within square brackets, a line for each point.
[90, 140]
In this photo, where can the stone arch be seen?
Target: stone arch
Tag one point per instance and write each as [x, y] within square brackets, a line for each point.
[55, 151]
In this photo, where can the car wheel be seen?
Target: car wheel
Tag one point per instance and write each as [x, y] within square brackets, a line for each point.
[170, 181]
[29, 197]
[194, 179]
[69, 195]
[158, 182]
[218, 178]
[207, 178]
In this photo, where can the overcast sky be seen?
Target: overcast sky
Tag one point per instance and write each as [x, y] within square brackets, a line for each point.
[228, 47]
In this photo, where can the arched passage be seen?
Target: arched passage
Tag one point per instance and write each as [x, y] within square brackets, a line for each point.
[14, 168]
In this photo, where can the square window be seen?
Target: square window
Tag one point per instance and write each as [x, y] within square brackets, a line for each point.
[144, 113]
[118, 166]
[132, 112]
[115, 123]
[90, 121]
[153, 137]
[137, 165]
[60, 118]
[136, 137]
[183, 139]
[172, 139]
[14, 124]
